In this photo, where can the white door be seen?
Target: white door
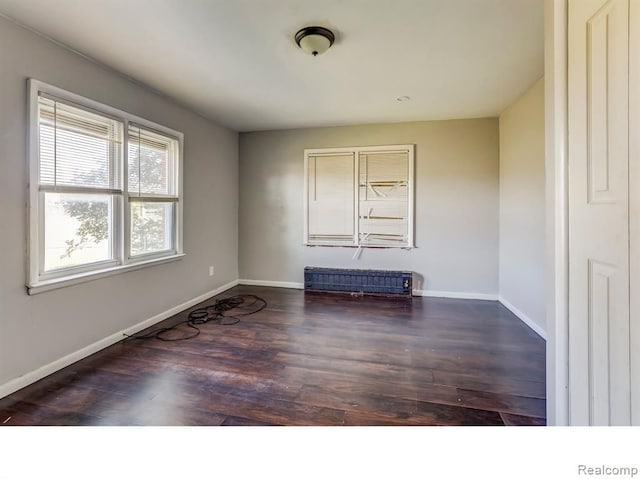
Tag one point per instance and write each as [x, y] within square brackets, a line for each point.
[599, 273]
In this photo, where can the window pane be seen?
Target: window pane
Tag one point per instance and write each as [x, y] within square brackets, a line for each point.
[151, 227]
[78, 229]
[77, 147]
[152, 162]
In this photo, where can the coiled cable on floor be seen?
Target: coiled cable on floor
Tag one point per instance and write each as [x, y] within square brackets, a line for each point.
[226, 312]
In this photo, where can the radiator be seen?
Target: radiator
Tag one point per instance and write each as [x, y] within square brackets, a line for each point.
[363, 281]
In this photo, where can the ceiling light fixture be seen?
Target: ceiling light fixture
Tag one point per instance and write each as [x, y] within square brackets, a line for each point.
[403, 98]
[315, 40]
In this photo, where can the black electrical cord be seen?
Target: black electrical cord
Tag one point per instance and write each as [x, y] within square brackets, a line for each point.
[226, 311]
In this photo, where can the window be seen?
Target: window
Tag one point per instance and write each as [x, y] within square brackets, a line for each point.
[152, 191]
[359, 196]
[104, 190]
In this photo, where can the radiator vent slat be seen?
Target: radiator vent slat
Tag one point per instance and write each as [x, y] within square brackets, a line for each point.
[374, 282]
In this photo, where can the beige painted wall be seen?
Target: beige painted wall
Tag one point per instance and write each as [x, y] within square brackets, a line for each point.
[456, 204]
[36, 330]
[522, 205]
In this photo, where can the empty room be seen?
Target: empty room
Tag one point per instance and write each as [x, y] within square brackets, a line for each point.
[317, 214]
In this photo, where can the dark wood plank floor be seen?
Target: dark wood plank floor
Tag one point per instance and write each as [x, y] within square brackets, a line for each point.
[309, 360]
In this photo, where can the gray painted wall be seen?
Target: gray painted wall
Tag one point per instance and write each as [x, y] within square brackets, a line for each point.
[456, 204]
[36, 330]
[522, 205]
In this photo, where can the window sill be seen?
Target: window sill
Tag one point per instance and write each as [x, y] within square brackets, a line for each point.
[51, 284]
[385, 246]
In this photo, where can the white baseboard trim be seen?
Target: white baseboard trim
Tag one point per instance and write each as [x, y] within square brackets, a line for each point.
[416, 292]
[273, 284]
[454, 295]
[33, 376]
[524, 318]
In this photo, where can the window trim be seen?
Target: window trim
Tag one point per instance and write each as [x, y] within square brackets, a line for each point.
[38, 281]
[356, 150]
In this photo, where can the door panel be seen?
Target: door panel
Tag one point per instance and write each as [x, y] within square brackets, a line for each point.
[599, 353]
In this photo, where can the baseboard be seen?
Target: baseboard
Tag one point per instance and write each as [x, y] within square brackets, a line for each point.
[524, 318]
[416, 292]
[44, 371]
[454, 295]
[273, 284]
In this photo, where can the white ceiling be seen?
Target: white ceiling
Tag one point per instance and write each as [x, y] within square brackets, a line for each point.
[235, 61]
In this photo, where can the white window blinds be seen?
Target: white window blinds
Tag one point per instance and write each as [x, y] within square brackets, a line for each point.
[331, 198]
[152, 163]
[359, 196]
[78, 148]
[383, 198]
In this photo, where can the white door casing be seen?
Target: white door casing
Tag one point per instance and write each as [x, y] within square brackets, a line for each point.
[634, 204]
[598, 172]
[556, 199]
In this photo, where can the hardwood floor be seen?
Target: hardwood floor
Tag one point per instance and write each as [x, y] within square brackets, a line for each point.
[309, 360]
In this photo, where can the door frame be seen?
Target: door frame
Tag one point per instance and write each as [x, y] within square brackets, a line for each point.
[634, 212]
[557, 207]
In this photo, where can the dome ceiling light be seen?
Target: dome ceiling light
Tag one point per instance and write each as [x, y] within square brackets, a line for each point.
[315, 40]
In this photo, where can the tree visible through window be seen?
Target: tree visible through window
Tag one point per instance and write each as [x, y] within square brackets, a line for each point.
[149, 222]
[93, 224]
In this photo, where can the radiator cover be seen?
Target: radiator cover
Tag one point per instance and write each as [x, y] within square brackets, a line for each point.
[362, 281]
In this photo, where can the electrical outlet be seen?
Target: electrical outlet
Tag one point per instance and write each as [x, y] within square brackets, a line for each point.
[211, 271]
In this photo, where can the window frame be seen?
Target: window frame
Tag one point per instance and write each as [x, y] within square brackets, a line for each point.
[133, 197]
[356, 151]
[37, 279]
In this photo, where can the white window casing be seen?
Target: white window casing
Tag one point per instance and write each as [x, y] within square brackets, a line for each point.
[359, 196]
[80, 200]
